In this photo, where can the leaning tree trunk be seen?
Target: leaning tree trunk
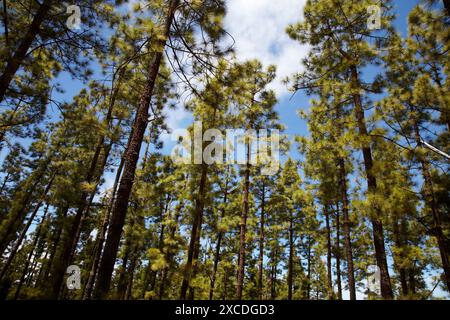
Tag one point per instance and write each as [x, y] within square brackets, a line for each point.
[102, 235]
[430, 200]
[24, 231]
[17, 214]
[93, 174]
[131, 159]
[30, 255]
[377, 224]
[45, 271]
[15, 61]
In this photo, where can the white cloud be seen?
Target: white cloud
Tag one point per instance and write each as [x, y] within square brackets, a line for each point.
[175, 119]
[258, 27]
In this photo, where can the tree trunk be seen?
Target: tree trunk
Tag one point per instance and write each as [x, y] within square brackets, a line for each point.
[22, 235]
[45, 272]
[218, 245]
[102, 235]
[377, 225]
[243, 226]
[30, 255]
[431, 202]
[261, 244]
[15, 216]
[170, 254]
[338, 253]
[121, 283]
[131, 159]
[195, 233]
[329, 269]
[93, 175]
[273, 276]
[16, 60]
[400, 245]
[347, 235]
[308, 257]
[291, 256]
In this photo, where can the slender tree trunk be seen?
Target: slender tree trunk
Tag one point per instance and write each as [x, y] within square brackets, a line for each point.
[95, 172]
[377, 224]
[30, 255]
[44, 275]
[23, 234]
[261, 244]
[121, 283]
[15, 217]
[218, 245]
[93, 175]
[131, 159]
[291, 256]
[431, 202]
[347, 235]
[329, 270]
[338, 252]
[150, 276]
[308, 257]
[273, 277]
[401, 270]
[170, 253]
[16, 60]
[412, 280]
[102, 235]
[195, 233]
[243, 226]
[130, 272]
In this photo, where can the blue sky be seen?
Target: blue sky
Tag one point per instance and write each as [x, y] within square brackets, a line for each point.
[258, 26]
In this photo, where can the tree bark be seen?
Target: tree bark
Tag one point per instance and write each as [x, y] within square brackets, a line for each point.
[377, 224]
[218, 245]
[30, 255]
[400, 245]
[261, 244]
[24, 231]
[102, 235]
[243, 226]
[195, 233]
[329, 269]
[291, 256]
[430, 200]
[338, 253]
[347, 235]
[131, 159]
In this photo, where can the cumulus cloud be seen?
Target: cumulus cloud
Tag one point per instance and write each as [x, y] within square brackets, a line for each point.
[258, 26]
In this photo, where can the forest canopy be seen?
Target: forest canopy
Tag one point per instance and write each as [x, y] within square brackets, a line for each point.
[103, 197]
